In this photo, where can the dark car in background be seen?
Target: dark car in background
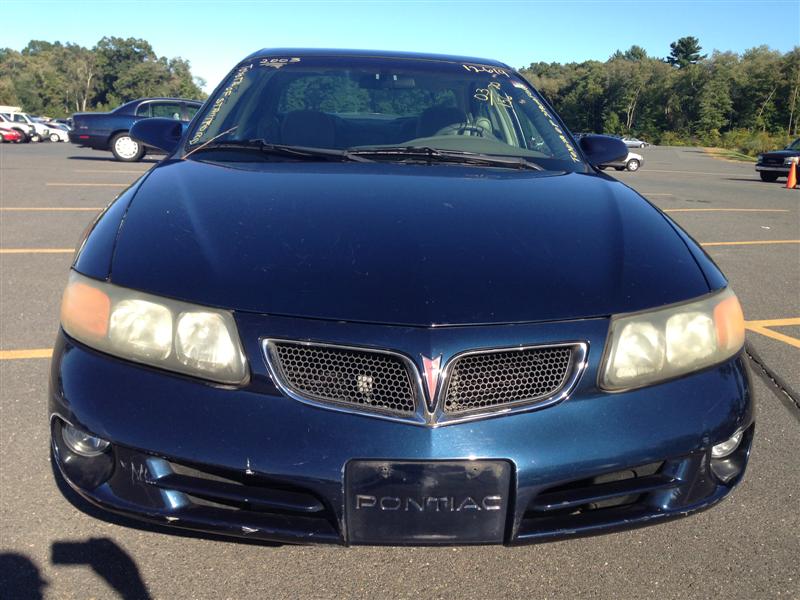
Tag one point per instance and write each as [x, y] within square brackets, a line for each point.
[385, 298]
[772, 165]
[110, 130]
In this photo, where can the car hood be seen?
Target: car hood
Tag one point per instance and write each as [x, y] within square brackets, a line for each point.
[401, 244]
[781, 153]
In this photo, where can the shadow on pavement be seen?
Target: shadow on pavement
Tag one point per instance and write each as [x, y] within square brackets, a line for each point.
[107, 560]
[20, 578]
[756, 180]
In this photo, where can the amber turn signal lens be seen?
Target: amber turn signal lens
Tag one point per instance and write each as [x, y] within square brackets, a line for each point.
[729, 321]
[85, 310]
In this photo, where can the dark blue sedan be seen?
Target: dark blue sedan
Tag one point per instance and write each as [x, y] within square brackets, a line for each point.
[111, 130]
[382, 298]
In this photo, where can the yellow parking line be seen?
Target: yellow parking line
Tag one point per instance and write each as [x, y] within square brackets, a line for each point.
[775, 322]
[750, 243]
[786, 339]
[50, 208]
[781, 210]
[60, 184]
[22, 354]
[37, 250]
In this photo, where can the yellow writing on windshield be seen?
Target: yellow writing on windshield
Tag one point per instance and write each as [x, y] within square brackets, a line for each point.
[217, 106]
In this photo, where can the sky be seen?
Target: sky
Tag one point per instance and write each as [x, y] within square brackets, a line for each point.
[215, 35]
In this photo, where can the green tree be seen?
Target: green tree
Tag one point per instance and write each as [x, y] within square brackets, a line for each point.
[685, 51]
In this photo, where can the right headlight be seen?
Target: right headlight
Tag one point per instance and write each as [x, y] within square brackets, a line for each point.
[648, 347]
[165, 333]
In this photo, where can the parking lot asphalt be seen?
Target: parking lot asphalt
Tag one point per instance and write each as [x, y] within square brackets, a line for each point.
[747, 547]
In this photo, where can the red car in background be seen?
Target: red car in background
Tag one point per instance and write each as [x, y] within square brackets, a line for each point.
[10, 135]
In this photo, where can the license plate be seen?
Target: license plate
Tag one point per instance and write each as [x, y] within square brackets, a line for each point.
[442, 502]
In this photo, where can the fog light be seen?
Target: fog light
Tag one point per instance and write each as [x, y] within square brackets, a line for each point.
[81, 443]
[727, 447]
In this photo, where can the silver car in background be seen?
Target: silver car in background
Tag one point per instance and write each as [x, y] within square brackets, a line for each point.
[632, 142]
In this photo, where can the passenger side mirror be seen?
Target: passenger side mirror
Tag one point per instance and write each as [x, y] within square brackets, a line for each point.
[602, 149]
[158, 132]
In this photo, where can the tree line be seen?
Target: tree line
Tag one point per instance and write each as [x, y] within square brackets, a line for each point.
[747, 101]
[58, 79]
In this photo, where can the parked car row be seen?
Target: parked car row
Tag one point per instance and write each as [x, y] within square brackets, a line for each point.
[20, 127]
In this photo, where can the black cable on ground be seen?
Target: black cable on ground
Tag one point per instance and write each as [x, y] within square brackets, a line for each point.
[773, 380]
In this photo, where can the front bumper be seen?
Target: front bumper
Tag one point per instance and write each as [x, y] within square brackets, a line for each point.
[253, 463]
[773, 168]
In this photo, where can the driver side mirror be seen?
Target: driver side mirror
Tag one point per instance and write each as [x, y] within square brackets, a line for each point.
[158, 132]
[602, 149]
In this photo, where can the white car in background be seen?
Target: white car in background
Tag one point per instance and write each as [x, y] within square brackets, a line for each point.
[26, 130]
[632, 162]
[58, 132]
[40, 131]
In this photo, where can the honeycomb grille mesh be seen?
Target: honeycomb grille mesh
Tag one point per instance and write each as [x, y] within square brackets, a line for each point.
[346, 376]
[491, 379]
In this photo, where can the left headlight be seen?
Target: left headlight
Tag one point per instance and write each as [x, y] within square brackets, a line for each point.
[165, 333]
[646, 348]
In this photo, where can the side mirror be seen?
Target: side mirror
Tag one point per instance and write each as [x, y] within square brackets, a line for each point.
[602, 149]
[158, 132]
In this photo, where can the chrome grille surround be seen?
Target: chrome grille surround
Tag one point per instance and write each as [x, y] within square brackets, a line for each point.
[483, 380]
[359, 378]
[438, 416]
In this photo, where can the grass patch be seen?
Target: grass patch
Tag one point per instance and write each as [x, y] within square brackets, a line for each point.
[726, 154]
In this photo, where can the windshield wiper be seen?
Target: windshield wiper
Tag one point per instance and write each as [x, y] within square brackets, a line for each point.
[288, 150]
[429, 154]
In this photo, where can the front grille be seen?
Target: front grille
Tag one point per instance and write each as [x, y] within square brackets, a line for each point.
[370, 379]
[773, 160]
[497, 378]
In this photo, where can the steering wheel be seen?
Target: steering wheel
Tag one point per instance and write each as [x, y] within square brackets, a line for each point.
[462, 129]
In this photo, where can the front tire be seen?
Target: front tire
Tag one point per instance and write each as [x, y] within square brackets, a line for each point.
[633, 165]
[126, 149]
[768, 177]
[54, 137]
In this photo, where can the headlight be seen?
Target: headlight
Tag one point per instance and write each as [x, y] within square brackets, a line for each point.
[161, 332]
[649, 347]
[760, 158]
[788, 161]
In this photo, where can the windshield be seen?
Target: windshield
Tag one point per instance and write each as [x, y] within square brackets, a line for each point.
[795, 145]
[347, 103]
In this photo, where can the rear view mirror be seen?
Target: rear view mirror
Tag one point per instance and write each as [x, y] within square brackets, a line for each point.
[386, 81]
[602, 149]
[158, 132]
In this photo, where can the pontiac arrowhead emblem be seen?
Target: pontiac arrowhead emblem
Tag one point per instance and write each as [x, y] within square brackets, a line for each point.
[431, 373]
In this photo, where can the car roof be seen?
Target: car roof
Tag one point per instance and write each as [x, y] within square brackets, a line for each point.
[299, 52]
[134, 103]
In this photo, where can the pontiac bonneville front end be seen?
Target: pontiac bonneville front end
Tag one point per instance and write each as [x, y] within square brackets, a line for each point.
[383, 298]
